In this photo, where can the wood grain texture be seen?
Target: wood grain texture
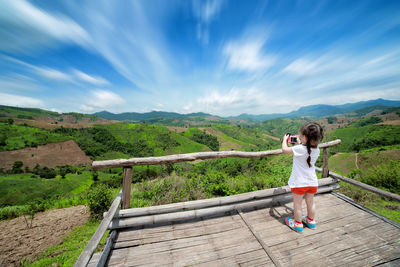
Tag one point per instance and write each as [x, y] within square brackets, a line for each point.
[126, 188]
[345, 236]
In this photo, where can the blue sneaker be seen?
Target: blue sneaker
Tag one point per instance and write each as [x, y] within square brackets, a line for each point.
[310, 224]
[298, 227]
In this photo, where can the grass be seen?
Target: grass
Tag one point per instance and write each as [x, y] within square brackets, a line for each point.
[19, 189]
[68, 251]
[14, 137]
[162, 140]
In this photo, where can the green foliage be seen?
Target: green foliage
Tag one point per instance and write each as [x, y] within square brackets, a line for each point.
[384, 176]
[11, 212]
[366, 137]
[279, 127]
[44, 172]
[17, 167]
[99, 199]
[249, 138]
[14, 137]
[203, 138]
[221, 177]
[365, 121]
[332, 120]
[19, 189]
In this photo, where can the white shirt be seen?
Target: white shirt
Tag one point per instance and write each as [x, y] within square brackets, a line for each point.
[302, 175]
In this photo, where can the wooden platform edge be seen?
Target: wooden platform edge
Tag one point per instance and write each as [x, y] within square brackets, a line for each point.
[352, 202]
[87, 253]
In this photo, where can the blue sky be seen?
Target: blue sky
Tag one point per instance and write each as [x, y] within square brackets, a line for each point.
[220, 57]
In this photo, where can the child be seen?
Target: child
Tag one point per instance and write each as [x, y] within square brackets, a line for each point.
[303, 180]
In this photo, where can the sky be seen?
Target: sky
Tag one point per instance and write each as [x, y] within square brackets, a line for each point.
[220, 57]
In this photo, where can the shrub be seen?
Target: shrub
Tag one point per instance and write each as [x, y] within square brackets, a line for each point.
[99, 199]
[47, 173]
[95, 176]
[385, 175]
[17, 167]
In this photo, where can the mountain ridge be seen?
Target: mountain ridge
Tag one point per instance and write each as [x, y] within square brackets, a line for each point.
[313, 111]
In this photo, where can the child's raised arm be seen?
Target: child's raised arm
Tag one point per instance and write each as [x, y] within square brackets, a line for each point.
[285, 148]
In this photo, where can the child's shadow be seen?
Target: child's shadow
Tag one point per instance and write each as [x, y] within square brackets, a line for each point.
[280, 216]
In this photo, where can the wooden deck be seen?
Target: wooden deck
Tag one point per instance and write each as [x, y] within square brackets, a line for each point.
[345, 236]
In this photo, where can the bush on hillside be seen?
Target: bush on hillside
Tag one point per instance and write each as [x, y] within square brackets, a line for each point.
[17, 167]
[206, 139]
[99, 199]
[385, 175]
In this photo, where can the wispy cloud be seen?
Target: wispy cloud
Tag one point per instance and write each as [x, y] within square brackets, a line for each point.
[205, 12]
[95, 80]
[29, 26]
[100, 99]
[19, 101]
[74, 76]
[229, 102]
[53, 74]
[301, 67]
[247, 53]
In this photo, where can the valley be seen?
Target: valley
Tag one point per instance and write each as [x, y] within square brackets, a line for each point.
[46, 156]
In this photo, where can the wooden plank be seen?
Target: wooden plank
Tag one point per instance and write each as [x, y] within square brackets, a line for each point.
[273, 258]
[349, 200]
[107, 248]
[211, 247]
[126, 188]
[87, 253]
[191, 157]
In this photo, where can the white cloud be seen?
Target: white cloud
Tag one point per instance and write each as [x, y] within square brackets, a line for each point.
[86, 108]
[247, 55]
[100, 99]
[28, 26]
[205, 12]
[96, 80]
[53, 74]
[234, 101]
[19, 101]
[301, 67]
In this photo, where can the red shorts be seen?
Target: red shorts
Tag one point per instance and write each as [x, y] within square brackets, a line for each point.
[303, 190]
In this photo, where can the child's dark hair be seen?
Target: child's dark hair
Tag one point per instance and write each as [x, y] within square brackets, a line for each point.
[314, 132]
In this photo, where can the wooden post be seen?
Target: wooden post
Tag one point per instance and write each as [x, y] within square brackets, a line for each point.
[126, 188]
[325, 167]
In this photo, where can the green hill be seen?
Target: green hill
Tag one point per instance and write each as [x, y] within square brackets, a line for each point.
[249, 139]
[33, 113]
[365, 137]
[14, 137]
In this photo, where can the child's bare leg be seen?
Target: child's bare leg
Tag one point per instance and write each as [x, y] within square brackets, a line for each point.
[310, 205]
[297, 201]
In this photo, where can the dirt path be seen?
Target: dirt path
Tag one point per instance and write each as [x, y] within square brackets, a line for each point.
[17, 242]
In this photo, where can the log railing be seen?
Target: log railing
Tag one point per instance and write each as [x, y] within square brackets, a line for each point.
[124, 196]
[128, 163]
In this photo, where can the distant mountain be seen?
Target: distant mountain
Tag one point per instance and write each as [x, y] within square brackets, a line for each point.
[134, 116]
[318, 111]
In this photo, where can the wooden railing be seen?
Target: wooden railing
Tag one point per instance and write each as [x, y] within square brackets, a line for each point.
[127, 164]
